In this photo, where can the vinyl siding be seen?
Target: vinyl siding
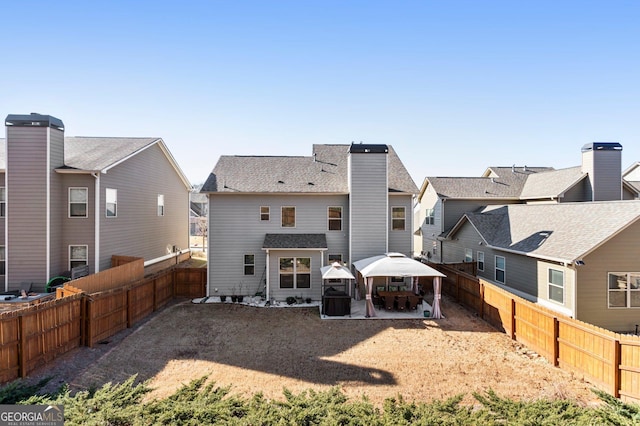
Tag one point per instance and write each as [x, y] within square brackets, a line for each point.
[27, 177]
[57, 203]
[369, 199]
[401, 241]
[620, 254]
[430, 233]
[2, 228]
[580, 192]
[77, 230]
[279, 294]
[235, 229]
[138, 230]
[604, 173]
[568, 307]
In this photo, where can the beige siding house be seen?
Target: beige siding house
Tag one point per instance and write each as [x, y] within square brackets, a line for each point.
[74, 201]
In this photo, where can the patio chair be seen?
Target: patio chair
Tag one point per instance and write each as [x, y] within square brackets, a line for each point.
[414, 301]
[402, 302]
[389, 302]
[377, 301]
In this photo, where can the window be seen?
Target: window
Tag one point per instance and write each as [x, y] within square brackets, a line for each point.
[334, 258]
[468, 255]
[265, 213]
[480, 261]
[624, 290]
[2, 261]
[112, 202]
[335, 218]
[556, 285]
[288, 217]
[397, 218]
[295, 272]
[501, 265]
[160, 204]
[3, 202]
[249, 264]
[78, 200]
[430, 218]
[78, 256]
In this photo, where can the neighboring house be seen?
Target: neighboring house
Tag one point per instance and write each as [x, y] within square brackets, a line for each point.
[444, 200]
[580, 259]
[274, 221]
[632, 175]
[198, 212]
[74, 201]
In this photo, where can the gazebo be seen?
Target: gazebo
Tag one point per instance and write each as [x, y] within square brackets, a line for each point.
[397, 265]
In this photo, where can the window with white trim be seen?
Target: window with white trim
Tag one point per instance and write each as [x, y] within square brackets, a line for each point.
[3, 201]
[468, 255]
[501, 269]
[265, 213]
[430, 218]
[295, 272]
[78, 202]
[3, 261]
[78, 256]
[249, 264]
[334, 216]
[111, 202]
[624, 289]
[160, 204]
[480, 261]
[556, 285]
[288, 217]
[398, 218]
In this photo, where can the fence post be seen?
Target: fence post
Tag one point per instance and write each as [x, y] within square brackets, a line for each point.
[616, 368]
[89, 310]
[512, 332]
[481, 313]
[556, 342]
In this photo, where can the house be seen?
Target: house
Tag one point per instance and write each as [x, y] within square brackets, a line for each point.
[274, 221]
[76, 201]
[444, 200]
[632, 175]
[579, 259]
[198, 211]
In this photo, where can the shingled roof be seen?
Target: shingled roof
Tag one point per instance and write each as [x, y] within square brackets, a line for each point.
[563, 232]
[323, 172]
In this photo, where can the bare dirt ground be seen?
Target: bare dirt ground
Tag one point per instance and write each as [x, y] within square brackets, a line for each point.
[268, 349]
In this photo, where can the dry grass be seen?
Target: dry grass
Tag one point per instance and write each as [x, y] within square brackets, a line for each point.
[269, 349]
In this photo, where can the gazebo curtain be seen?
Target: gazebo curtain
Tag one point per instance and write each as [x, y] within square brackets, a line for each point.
[436, 298]
[370, 310]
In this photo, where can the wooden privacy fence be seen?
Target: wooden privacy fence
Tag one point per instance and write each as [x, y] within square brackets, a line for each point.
[608, 359]
[38, 334]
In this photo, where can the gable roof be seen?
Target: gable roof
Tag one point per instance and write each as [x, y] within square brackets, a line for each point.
[552, 184]
[99, 154]
[326, 171]
[563, 232]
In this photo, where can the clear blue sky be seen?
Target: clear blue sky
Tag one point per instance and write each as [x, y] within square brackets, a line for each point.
[454, 86]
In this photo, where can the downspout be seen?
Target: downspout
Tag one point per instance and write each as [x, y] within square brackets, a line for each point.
[48, 203]
[267, 290]
[96, 242]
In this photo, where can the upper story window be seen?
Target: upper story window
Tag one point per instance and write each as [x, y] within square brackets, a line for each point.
[398, 218]
[78, 256]
[480, 261]
[111, 198]
[3, 201]
[78, 202]
[160, 204]
[430, 217]
[501, 269]
[556, 285]
[468, 255]
[265, 213]
[2, 261]
[249, 264]
[624, 289]
[288, 217]
[335, 218]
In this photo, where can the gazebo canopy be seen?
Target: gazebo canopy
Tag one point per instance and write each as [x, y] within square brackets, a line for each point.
[394, 265]
[336, 271]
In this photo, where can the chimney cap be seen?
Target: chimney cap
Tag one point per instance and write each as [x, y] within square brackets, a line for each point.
[368, 148]
[602, 146]
[33, 120]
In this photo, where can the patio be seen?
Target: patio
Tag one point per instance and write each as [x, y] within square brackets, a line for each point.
[359, 310]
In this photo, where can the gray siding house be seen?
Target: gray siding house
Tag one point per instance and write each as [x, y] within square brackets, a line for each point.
[579, 259]
[74, 201]
[444, 200]
[274, 221]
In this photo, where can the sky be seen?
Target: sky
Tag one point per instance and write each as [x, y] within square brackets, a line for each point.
[453, 86]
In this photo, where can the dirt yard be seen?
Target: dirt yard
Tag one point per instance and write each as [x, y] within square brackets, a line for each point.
[269, 349]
